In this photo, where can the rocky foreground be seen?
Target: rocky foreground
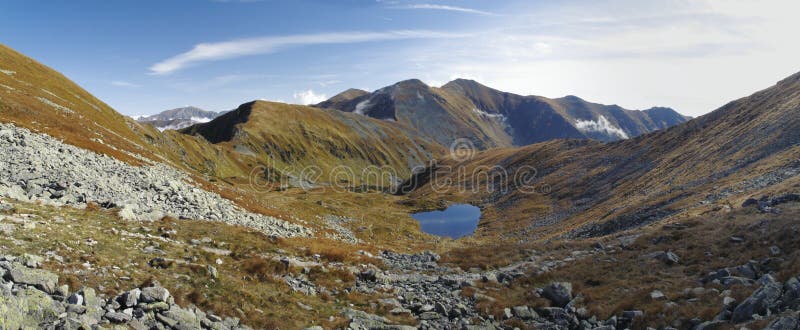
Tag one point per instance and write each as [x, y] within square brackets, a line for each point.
[434, 296]
[39, 168]
[30, 298]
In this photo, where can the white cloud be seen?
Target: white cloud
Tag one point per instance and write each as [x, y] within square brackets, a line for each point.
[205, 52]
[446, 8]
[601, 125]
[120, 83]
[692, 56]
[308, 97]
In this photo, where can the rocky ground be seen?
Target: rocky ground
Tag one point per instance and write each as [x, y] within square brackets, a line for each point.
[37, 167]
[31, 298]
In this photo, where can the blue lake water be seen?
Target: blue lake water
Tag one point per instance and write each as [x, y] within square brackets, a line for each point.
[456, 221]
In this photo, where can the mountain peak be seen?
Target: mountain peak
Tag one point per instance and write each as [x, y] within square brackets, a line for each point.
[179, 118]
[411, 83]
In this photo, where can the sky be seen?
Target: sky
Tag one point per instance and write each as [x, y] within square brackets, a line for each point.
[142, 57]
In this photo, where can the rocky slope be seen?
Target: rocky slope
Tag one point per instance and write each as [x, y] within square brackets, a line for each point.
[39, 168]
[178, 118]
[491, 118]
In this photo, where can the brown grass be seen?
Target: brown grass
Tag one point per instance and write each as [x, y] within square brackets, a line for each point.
[613, 282]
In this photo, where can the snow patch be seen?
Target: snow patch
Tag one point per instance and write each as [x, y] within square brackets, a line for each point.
[8, 72]
[8, 87]
[601, 125]
[361, 106]
[489, 115]
[201, 119]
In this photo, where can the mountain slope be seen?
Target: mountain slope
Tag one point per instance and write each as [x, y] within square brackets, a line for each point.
[346, 99]
[39, 98]
[292, 138]
[434, 113]
[178, 118]
[491, 118]
[747, 148]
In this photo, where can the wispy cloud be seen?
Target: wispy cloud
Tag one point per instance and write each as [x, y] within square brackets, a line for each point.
[206, 52]
[120, 83]
[446, 8]
[308, 97]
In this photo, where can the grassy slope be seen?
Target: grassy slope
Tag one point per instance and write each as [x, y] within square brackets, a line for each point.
[617, 279]
[292, 137]
[98, 249]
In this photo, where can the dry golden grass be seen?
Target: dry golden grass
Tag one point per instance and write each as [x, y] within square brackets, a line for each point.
[249, 286]
[610, 283]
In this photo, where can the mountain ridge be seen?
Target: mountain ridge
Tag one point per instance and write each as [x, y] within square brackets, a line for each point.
[491, 118]
[748, 147]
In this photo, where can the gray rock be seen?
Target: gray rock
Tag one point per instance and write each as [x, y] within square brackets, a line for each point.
[523, 312]
[32, 261]
[429, 316]
[791, 294]
[77, 309]
[185, 318]
[441, 309]
[130, 298]
[559, 293]
[710, 325]
[507, 313]
[75, 299]
[759, 303]
[667, 257]
[657, 295]
[154, 294]
[41, 279]
[117, 317]
[784, 323]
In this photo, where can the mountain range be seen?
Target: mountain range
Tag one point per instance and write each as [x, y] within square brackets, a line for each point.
[749, 147]
[491, 118]
[592, 216]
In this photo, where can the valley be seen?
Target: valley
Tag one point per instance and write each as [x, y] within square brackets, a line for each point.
[281, 216]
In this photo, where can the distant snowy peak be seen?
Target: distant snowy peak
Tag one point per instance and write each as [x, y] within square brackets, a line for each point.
[178, 118]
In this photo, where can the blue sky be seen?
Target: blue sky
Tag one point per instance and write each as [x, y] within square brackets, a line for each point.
[142, 57]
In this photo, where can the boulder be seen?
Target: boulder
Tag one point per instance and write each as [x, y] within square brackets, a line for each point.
[117, 317]
[186, 318]
[559, 293]
[75, 299]
[761, 302]
[523, 312]
[130, 298]
[784, 323]
[791, 294]
[657, 295]
[41, 279]
[668, 257]
[154, 294]
[32, 261]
